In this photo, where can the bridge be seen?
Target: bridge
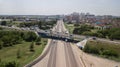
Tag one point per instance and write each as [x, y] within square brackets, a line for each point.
[60, 35]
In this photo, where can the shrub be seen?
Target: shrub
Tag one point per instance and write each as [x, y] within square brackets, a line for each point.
[32, 47]
[115, 35]
[109, 53]
[90, 49]
[103, 49]
[29, 36]
[38, 39]
[10, 38]
[11, 64]
[18, 54]
[1, 44]
[38, 43]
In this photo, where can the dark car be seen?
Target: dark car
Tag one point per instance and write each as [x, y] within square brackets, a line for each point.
[94, 38]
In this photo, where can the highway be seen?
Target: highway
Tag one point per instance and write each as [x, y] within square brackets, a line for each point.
[57, 53]
[61, 53]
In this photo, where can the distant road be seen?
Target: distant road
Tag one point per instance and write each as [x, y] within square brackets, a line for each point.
[100, 39]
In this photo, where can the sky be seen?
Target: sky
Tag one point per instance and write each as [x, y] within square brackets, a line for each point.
[53, 7]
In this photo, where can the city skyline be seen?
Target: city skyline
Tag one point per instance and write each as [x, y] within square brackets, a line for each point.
[54, 7]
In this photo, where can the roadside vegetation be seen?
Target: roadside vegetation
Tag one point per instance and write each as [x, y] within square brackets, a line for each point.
[41, 24]
[46, 25]
[18, 48]
[11, 38]
[99, 48]
[83, 29]
[70, 27]
[103, 49]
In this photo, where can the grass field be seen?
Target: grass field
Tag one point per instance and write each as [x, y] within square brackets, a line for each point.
[9, 54]
[105, 46]
[70, 27]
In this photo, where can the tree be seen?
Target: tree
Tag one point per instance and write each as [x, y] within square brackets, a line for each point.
[18, 54]
[4, 23]
[1, 44]
[32, 47]
[115, 35]
[40, 24]
[76, 25]
[11, 64]
[29, 36]
[81, 29]
[1, 28]
[38, 39]
[7, 41]
[110, 53]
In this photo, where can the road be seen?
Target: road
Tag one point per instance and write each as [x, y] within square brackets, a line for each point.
[58, 53]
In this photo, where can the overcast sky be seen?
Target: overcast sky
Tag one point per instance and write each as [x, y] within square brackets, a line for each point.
[52, 7]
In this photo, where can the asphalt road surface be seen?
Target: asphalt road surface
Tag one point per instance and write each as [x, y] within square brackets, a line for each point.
[58, 53]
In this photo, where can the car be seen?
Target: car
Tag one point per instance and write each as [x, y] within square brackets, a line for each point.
[111, 39]
[58, 32]
[66, 40]
[87, 36]
[81, 47]
[71, 35]
[94, 38]
[66, 32]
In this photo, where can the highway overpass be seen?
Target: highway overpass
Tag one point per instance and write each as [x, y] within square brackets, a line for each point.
[60, 36]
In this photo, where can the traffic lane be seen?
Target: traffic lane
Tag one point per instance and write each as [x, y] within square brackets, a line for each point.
[70, 58]
[61, 61]
[52, 57]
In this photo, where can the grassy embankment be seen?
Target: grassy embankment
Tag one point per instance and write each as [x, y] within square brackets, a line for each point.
[69, 27]
[103, 49]
[9, 54]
